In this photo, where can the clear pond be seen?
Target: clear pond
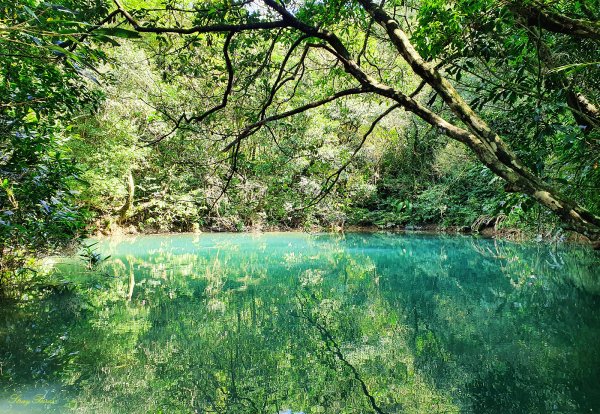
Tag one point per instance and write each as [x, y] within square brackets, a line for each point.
[297, 323]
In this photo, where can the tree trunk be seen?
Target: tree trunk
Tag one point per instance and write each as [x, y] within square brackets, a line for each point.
[128, 206]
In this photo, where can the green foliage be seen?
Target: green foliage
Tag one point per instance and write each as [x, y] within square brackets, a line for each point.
[36, 197]
[91, 257]
[41, 90]
[513, 73]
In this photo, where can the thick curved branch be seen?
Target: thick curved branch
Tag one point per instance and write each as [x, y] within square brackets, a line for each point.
[486, 144]
[215, 28]
[536, 14]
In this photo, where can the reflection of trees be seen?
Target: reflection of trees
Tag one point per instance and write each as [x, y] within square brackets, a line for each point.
[478, 316]
[334, 348]
[33, 347]
[251, 354]
[361, 324]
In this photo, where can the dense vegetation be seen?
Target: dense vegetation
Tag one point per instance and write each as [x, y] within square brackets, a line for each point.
[230, 115]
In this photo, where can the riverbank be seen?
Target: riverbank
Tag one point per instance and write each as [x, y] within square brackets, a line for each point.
[487, 229]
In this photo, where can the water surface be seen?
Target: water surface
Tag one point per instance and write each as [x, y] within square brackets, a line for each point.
[297, 323]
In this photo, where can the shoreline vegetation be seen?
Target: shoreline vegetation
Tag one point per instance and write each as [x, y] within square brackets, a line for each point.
[486, 231]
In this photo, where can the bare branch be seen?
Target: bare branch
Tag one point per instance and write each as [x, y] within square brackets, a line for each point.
[363, 50]
[223, 104]
[277, 84]
[332, 180]
[268, 54]
[251, 129]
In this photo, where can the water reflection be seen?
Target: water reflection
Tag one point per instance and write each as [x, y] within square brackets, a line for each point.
[291, 323]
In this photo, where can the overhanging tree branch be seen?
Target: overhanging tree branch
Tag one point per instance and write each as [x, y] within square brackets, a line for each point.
[215, 28]
[486, 144]
[222, 105]
[491, 150]
[538, 14]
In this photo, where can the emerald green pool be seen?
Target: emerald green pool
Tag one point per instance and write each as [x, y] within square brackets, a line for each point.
[298, 323]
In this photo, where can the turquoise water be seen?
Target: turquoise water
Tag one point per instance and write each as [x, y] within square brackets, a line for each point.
[297, 323]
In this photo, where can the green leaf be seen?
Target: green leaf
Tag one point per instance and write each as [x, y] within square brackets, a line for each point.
[31, 13]
[573, 66]
[107, 39]
[117, 32]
